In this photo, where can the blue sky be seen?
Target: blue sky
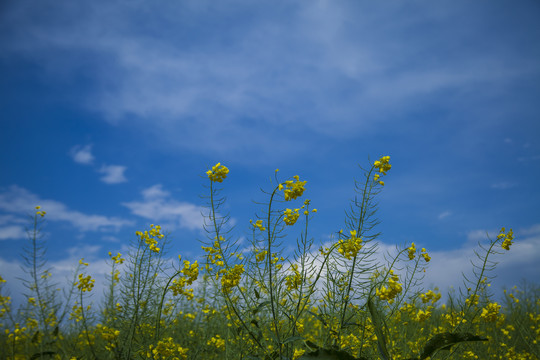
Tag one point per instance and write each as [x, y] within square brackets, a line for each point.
[112, 111]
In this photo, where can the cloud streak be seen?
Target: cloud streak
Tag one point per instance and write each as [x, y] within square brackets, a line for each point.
[158, 205]
[327, 68]
[113, 174]
[18, 201]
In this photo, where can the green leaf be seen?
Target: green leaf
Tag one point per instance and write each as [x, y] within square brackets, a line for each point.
[260, 306]
[377, 325]
[35, 338]
[445, 341]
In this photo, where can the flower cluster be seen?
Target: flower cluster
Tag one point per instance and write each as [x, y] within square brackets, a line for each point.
[507, 238]
[260, 255]
[291, 216]
[294, 188]
[217, 342]
[214, 253]
[295, 280]
[394, 288]
[85, 283]
[298, 353]
[423, 315]
[231, 278]
[167, 349]
[383, 165]
[218, 173]
[412, 251]
[490, 312]
[40, 213]
[425, 255]
[350, 247]
[117, 258]
[108, 334]
[190, 274]
[430, 296]
[258, 224]
[150, 237]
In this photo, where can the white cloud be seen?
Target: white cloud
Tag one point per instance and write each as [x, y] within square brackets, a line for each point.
[158, 205]
[12, 232]
[444, 214]
[19, 201]
[82, 154]
[114, 174]
[321, 67]
[63, 273]
[521, 262]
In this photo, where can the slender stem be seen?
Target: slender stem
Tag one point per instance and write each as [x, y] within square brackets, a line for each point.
[271, 286]
[85, 325]
[363, 211]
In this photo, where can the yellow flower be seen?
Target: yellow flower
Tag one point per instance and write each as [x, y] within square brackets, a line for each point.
[231, 278]
[507, 238]
[40, 213]
[294, 188]
[490, 312]
[426, 255]
[383, 164]
[350, 247]
[412, 251]
[295, 280]
[298, 353]
[218, 173]
[290, 216]
[259, 225]
[217, 342]
[85, 283]
[261, 255]
[394, 288]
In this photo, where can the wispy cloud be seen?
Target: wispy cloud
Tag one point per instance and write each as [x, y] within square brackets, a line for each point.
[158, 205]
[328, 68]
[113, 174]
[12, 232]
[82, 154]
[19, 201]
[444, 214]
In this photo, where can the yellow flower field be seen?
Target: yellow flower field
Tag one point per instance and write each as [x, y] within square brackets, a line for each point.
[332, 301]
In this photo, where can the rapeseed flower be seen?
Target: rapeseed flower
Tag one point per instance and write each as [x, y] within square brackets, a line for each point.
[394, 288]
[85, 283]
[231, 278]
[40, 213]
[412, 251]
[218, 173]
[507, 238]
[383, 166]
[350, 247]
[294, 188]
[291, 216]
[490, 312]
[425, 255]
[258, 224]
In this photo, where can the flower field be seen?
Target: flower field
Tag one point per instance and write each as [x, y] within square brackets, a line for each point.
[325, 301]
